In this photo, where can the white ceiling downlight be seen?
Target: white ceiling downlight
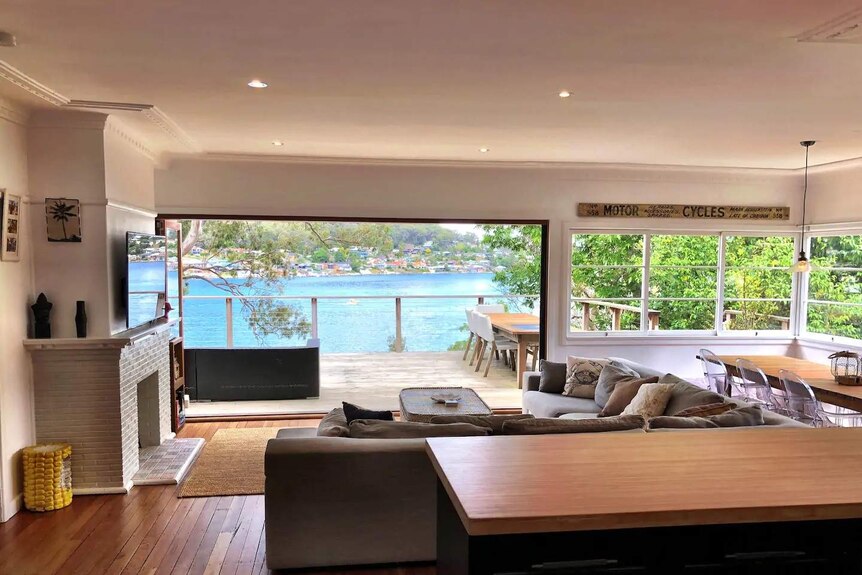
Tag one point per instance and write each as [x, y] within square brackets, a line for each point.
[259, 84]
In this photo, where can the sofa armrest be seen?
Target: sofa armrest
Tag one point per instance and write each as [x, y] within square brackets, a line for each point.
[531, 381]
[375, 497]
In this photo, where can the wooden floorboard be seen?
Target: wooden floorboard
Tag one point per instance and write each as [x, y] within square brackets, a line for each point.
[151, 531]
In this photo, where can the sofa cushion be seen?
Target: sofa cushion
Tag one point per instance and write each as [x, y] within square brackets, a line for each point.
[612, 374]
[334, 424]
[749, 416]
[650, 400]
[552, 378]
[707, 409]
[553, 405]
[379, 429]
[550, 426]
[686, 394]
[352, 412]
[494, 422]
[625, 389]
[579, 416]
[584, 370]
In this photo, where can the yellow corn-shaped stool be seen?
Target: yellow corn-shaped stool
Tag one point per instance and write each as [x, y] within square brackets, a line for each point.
[47, 476]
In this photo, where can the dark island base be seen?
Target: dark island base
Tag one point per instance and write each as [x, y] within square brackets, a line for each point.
[813, 547]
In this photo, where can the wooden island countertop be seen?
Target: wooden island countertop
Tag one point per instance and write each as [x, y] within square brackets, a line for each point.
[579, 482]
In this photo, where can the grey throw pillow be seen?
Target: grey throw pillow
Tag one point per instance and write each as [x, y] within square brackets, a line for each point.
[749, 416]
[612, 374]
[494, 422]
[379, 429]
[333, 424]
[545, 426]
[686, 395]
[553, 376]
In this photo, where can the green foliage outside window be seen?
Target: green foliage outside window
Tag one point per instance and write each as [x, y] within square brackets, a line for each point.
[837, 277]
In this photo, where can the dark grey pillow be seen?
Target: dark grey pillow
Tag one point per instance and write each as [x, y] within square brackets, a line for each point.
[543, 426]
[686, 395]
[611, 375]
[494, 422]
[553, 376]
[377, 429]
[748, 416]
[352, 412]
[333, 424]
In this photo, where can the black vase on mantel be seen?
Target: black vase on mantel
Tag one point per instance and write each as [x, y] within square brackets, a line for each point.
[81, 319]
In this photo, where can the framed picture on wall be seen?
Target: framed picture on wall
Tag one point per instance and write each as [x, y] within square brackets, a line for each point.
[10, 238]
[64, 219]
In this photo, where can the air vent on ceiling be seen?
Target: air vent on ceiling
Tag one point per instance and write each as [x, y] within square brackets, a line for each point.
[845, 29]
[99, 105]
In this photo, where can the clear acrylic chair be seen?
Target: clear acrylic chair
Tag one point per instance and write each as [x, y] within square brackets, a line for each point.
[717, 378]
[753, 385]
[804, 406]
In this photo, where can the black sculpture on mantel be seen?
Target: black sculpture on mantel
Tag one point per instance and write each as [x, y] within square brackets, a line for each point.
[80, 319]
[42, 312]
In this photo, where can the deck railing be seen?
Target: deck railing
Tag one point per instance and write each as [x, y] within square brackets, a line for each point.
[398, 344]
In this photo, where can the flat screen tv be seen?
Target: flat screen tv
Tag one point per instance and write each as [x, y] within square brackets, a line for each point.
[146, 278]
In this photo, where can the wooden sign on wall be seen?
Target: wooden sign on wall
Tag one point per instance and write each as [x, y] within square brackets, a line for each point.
[695, 212]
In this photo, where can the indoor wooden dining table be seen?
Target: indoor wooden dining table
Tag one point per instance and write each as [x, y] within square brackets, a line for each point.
[817, 375]
[523, 329]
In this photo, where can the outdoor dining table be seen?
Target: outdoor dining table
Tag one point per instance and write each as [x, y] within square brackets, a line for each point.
[521, 328]
[817, 375]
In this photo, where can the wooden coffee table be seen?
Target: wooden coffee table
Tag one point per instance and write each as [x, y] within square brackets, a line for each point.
[417, 405]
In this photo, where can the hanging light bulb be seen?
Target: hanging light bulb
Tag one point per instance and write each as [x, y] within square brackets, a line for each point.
[802, 264]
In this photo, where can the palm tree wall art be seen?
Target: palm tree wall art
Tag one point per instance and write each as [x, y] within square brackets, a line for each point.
[64, 219]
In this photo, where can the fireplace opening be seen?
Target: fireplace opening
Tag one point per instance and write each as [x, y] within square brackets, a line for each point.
[148, 411]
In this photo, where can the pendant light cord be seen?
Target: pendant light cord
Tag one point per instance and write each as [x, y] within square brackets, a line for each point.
[805, 196]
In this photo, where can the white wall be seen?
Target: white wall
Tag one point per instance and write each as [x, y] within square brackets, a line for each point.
[66, 160]
[835, 193]
[130, 194]
[228, 186]
[16, 426]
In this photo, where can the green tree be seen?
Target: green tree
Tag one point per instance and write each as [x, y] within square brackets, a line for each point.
[522, 274]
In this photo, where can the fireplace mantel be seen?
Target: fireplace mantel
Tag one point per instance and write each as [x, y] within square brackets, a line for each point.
[117, 341]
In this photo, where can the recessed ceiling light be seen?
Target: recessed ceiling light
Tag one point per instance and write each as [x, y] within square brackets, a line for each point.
[257, 84]
[484, 150]
[565, 94]
[277, 143]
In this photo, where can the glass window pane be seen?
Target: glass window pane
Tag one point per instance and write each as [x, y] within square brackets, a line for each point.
[756, 315]
[838, 320]
[840, 286]
[607, 249]
[756, 272]
[683, 266]
[682, 315]
[683, 250]
[837, 251]
[607, 282]
[683, 282]
[603, 283]
[603, 315]
[761, 252]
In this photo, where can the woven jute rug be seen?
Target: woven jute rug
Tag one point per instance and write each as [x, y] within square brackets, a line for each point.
[231, 464]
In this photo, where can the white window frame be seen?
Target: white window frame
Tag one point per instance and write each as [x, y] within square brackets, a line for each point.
[804, 300]
[717, 330]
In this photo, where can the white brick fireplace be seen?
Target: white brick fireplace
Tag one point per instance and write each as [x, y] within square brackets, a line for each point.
[106, 397]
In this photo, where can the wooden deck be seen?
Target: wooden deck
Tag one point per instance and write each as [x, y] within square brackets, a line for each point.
[373, 380]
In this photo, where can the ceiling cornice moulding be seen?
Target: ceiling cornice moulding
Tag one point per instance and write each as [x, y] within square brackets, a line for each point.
[585, 166]
[25, 82]
[117, 127]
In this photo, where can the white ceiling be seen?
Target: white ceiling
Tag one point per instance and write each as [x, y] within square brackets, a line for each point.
[689, 82]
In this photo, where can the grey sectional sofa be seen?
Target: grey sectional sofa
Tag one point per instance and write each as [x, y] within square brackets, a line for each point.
[686, 394]
[333, 501]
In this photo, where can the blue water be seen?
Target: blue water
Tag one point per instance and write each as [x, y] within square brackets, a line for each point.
[351, 326]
